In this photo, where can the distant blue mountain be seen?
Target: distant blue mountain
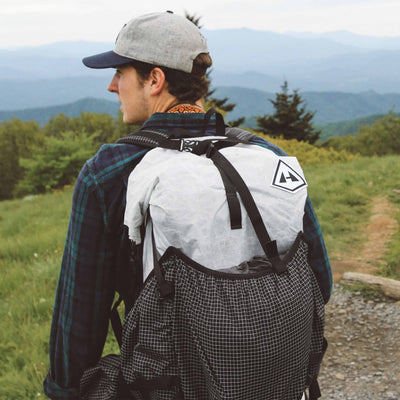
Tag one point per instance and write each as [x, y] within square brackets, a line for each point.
[43, 114]
[352, 39]
[340, 75]
[338, 61]
[54, 61]
[18, 95]
[329, 107]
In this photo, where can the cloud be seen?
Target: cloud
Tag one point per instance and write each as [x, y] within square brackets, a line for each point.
[24, 22]
[367, 17]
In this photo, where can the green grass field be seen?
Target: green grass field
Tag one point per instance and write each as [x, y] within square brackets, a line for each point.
[32, 234]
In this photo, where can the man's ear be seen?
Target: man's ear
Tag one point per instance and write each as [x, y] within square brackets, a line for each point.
[157, 81]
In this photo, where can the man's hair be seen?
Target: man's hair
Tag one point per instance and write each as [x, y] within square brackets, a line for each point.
[187, 88]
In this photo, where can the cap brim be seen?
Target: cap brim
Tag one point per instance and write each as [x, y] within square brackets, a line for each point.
[108, 59]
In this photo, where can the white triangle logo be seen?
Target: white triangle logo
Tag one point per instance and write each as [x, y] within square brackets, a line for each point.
[286, 178]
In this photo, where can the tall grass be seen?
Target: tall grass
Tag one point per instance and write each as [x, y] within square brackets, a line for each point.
[32, 234]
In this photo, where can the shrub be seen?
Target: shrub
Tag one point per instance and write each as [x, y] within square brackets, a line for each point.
[17, 138]
[380, 139]
[56, 163]
[309, 154]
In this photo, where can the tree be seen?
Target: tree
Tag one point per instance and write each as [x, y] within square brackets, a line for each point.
[212, 102]
[17, 139]
[290, 120]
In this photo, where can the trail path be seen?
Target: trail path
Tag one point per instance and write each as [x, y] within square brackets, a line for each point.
[381, 227]
[362, 360]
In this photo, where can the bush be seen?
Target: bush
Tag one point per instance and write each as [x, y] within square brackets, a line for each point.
[380, 139]
[17, 139]
[308, 154]
[56, 163]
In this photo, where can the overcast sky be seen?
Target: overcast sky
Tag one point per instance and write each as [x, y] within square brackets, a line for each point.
[36, 22]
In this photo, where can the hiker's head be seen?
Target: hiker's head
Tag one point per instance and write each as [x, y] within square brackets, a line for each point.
[161, 59]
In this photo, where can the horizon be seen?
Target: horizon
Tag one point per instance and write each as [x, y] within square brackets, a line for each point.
[288, 33]
[48, 22]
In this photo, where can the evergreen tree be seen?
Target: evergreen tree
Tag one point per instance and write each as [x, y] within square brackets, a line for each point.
[290, 120]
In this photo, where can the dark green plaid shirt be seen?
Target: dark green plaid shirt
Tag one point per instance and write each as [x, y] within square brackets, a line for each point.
[97, 252]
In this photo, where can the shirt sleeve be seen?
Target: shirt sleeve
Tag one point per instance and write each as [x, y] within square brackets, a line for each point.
[318, 255]
[84, 294]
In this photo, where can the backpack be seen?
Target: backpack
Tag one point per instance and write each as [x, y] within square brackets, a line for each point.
[253, 331]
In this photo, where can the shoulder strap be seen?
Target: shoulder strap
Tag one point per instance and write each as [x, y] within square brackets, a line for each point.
[152, 138]
[269, 246]
[239, 134]
[158, 138]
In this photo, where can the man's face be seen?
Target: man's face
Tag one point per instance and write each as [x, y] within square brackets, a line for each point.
[132, 95]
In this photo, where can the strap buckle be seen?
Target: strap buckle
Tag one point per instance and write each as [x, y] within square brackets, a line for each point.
[188, 145]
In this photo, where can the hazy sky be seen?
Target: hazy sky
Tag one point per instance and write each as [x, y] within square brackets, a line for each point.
[35, 22]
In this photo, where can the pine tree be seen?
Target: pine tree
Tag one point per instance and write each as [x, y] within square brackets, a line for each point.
[290, 120]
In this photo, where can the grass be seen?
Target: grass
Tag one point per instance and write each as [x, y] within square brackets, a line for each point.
[369, 292]
[32, 234]
[341, 195]
[391, 267]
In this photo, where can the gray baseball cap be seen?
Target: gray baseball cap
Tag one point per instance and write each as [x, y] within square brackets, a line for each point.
[162, 39]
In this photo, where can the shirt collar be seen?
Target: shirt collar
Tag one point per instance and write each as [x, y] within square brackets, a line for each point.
[186, 109]
[193, 122]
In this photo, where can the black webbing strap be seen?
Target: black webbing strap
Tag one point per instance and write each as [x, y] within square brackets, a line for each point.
[315, 362]
[219, 122]
[151, 139]
[145, 138]
[270, 247]
[161, 382]
[146, 386]
[314, 390]
[167, 289]
[235, 212]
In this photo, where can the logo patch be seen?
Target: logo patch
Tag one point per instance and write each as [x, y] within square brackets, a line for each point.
[286, 178]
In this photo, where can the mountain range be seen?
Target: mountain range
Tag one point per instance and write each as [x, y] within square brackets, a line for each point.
[329, 107]
[340, 75]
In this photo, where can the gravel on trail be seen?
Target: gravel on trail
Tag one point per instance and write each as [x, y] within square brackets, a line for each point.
[363, 357]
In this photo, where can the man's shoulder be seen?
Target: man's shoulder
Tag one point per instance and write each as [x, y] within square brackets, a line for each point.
[113, 160]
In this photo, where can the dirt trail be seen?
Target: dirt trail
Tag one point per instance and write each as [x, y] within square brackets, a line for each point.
[381, 226]
[361, 362]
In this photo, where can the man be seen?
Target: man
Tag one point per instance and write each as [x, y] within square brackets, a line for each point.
[161, 61]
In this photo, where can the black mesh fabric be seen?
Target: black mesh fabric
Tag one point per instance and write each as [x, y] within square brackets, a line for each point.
[221, 336]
